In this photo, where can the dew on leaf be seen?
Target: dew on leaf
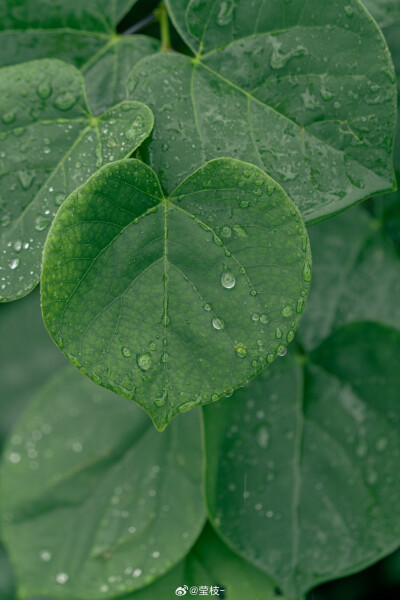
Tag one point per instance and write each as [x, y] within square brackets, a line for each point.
[217, 323]
[144, 361]
[228, 280]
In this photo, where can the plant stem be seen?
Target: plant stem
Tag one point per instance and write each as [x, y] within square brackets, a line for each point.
[141, 25]
[164, 28]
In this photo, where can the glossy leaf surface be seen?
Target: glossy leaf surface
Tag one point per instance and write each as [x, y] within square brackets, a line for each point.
[50, 144]
[307, 92]
[176, 301]
[302, 475]
[89, 492]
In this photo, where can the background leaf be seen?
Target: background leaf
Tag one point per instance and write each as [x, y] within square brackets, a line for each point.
[301, 465]
[386, 12]
[292, 90]
[83, 34]
[89, 492]
[51, 144]
[356, 272]
[175, 302]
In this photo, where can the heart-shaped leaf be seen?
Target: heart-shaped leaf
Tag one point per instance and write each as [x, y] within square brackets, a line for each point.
[306, 91]
[302, 464]
[175, 301]
[50, 144]
[82, 34]
[89, 492]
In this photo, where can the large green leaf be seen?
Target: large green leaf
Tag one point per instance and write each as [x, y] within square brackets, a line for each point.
[386, 12]
[175, 301]
[95, 502]
[302, 464]
[27, 357]
[356, 276]
[304, 91]
[211, 564]
[50, 144]
[82, 33]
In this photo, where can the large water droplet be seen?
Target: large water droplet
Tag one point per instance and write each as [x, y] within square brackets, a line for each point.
[62, 578]
[228, 280]
[218, 324]
[65, 101]
[14, 263]
[126, 352]
[307, 271]
[287, 311]
[241, 350]
[41, 222]
[144, 361]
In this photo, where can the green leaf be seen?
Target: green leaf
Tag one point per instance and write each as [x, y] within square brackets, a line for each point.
[302, 464]
[386, 12]
[89, 493]
[176, 301]
[7, 591]
[212, 563]
[27, 357]
[50, 144]
[356, 276]
[81, 34]
[106, 72]
[308, 95]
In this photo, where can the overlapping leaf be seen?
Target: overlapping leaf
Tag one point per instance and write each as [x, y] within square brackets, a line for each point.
[50, 144]
[302, 464]
[89, 493]
[176, 301]
[81, 33]
[305, 91]
[27, 357]
[357, 277]
[386, 12]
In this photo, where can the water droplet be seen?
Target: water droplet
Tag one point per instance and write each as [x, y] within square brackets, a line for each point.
[255, 317]
[126, 352]
[26, 178]
[14, 263]
[290, 336]
[162, 400]
[14, 458]
[17, 245]
[300, 305]
[164, 147]
[65, 101]
[244, 203]
[45, 555]
[228, 280]
[5, 220]
[283, 352]
[263, 437]
[349, 10]
[44, 90]
[41, 223]
[137, 572]
[278, 333]
[144, 361]
[218, 324]
[241, 350]
[240, 231]
[59, 199]
[226, 232]
[287, 311]
[381, 444]
[62, 578]
[187, 405]
[9, 117]
[225, 14]
[264, 319]
[307, 271]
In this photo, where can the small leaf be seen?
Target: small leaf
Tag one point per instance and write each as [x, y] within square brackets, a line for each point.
[305, 92]
[89, 492]
[51, 144]
[175, 301]
[310, 491]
